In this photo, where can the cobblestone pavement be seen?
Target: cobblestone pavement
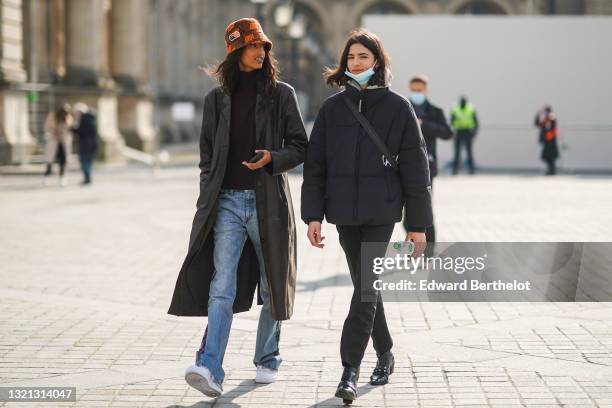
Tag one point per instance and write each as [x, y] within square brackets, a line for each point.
[87, 275]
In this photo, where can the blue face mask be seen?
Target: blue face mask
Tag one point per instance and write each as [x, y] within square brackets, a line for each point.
[361, 78]
[417, 98]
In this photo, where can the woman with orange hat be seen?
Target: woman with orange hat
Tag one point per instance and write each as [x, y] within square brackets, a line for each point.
[243, 233]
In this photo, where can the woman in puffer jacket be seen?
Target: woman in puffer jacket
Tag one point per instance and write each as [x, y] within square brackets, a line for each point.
[351, 183]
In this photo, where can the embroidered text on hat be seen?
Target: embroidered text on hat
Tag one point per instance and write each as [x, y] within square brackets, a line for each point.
[234, 36]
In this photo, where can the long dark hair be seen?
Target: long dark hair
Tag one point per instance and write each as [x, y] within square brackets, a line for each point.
[227, 72]
[62, 114]
[335, 76]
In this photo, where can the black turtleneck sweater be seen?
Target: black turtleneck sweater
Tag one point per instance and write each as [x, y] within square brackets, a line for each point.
[242, 134]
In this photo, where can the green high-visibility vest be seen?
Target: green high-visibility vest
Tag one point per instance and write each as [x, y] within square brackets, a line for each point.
[463, 119]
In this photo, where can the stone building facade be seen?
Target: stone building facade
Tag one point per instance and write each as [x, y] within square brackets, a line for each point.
[139, 63]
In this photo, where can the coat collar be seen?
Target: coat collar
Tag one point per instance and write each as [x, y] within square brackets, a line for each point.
[261, 103]
[226, 106]
[369, 96]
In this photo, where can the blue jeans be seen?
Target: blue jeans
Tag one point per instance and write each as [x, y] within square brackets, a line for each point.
[236, 219]
[86, 165]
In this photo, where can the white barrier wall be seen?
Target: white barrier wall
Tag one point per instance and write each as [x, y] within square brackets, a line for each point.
[509, 67]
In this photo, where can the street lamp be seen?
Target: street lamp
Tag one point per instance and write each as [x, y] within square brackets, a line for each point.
[296, 32]
[297, 28]
[259, 5]
[283, 14]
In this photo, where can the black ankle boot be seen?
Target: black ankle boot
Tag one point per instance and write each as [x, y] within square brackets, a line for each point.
[384, 368]
[347, 389]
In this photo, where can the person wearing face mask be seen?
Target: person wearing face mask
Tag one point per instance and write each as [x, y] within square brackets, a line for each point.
[465, 122]
[434, 127]
[362, 186]
[243, 232]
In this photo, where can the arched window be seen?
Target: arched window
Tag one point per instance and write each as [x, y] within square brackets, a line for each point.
[480, 7]
[565, 7]
[299, 45]
[387, 7]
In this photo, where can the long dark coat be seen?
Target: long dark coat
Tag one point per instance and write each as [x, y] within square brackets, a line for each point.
[550, 148]
[279, 128]
[434, 127]
[87, 134]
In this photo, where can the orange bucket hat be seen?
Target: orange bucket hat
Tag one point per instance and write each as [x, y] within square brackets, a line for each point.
[243, 32]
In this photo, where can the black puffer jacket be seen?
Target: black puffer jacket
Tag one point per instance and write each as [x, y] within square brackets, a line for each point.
[345, 178]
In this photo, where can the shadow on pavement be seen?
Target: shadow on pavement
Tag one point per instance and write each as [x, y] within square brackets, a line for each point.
[226, 398]
[331, 281]
[249, 385]
[361, 391]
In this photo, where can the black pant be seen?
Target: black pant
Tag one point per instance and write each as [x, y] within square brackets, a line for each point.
[552, 169]
[86, 165]
[463, 138]
[60, 157]
[365, 318]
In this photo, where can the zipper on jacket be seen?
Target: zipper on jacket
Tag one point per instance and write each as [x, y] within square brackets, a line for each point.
[356, 194]
[357, 154]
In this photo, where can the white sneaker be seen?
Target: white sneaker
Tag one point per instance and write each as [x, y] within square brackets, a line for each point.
[45, 181]
[265, 375]
[202, 380]
[63, 181]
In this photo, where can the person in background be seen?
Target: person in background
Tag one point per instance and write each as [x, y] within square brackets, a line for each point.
[86, 132]
[547, 122]
[465, 123]
[58, 146]
[434, 127]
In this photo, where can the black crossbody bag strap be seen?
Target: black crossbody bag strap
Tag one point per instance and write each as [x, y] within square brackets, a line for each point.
[370, 132]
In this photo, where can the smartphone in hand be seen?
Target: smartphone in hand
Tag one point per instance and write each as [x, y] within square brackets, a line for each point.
[258, 156]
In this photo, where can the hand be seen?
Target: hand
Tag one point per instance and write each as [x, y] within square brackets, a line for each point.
[267, 158]
[314, 234]
[420, 122]
[420, 242]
